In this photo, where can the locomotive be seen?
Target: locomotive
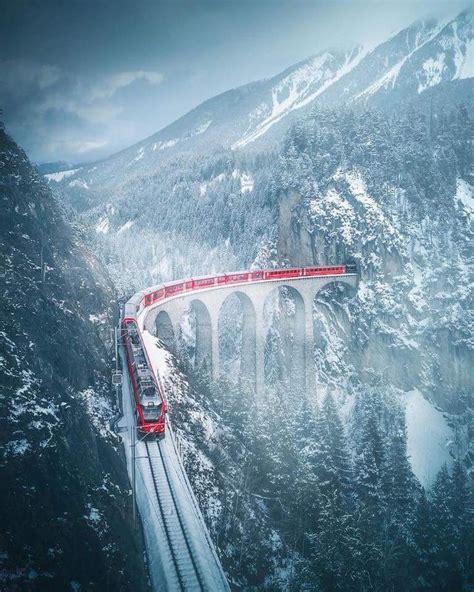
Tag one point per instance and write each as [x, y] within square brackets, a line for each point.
[150, 406]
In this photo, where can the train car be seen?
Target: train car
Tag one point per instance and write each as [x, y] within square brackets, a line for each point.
[135, 305]
[205, 282]
[150, 406]
[174, 288]
[240, 276]
[274, 274]
[327, 270]
[221, 279]
[158, 294]
[154, 295]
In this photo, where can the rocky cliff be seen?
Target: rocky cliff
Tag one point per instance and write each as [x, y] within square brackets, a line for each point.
[64, 491]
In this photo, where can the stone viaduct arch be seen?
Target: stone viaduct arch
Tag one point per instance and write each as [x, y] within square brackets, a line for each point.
[292, 324]
[165, 331]
[248, 336]
[207, 304]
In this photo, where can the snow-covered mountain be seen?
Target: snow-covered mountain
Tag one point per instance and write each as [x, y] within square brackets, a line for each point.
[428, 59]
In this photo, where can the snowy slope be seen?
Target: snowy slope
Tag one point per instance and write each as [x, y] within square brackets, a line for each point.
[425, 56]
[429, 438]
[298, 89]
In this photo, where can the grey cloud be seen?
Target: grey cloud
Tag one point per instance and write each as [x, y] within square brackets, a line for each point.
[20, 77]
[80, 80]
[113, 83]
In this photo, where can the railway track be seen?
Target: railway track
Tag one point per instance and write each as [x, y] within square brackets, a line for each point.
[182, 554]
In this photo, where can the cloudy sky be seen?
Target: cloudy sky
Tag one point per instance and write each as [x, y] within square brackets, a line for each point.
[81, 79]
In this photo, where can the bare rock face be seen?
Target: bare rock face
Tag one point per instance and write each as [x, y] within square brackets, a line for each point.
[64, 494]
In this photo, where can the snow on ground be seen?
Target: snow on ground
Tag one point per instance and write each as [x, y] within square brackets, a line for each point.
[465, 194]
[386, 81]
[246, 183]
[467, 69]
[57, 177]
[374, 213]
[203, 127]
[299, 89]
[165, 144]
[98, 319]
[79, 183]
[160, 358]
[103, 226]
[99, 410]
[17, 447]
[140, 154]
[433, 72]
[126, 226]
[95, 519]
[429, 437]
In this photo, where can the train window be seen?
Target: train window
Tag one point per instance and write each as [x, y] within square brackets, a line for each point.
[151, 413]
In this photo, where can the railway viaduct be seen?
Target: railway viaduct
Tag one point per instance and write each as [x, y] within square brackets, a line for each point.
[164, 317]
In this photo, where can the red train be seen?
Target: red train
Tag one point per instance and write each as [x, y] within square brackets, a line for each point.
[174, 288]
[150, 405]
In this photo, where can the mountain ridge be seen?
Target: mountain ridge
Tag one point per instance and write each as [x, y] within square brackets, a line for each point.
[255, 116]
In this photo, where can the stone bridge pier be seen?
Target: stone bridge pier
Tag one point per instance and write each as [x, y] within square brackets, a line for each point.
[163, 319]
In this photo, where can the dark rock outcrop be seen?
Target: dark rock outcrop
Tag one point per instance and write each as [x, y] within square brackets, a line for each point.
[64, 492]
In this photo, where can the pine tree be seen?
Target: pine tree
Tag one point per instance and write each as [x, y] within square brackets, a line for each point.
[445, 562]
[370, 463]
[462, 511]
[401, 483]
[400, 490]
[422, 546]
[338, 457]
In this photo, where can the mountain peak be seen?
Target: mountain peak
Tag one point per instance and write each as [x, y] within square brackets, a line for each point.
[428, 55]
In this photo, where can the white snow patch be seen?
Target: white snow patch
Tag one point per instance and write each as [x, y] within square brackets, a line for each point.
[432, 72]
[98, 409]
[103, 226]
[93, 515]
[165, 144]
[203, 127]
[139, 156]
[126, 226]
[98, 319]
[57, 177]
[465, 194]
[219, 178]
[428, 437]
[17, 447]
[388, 79]
[466, 70]
[79, 183]
[246, 183]
[296, 90]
